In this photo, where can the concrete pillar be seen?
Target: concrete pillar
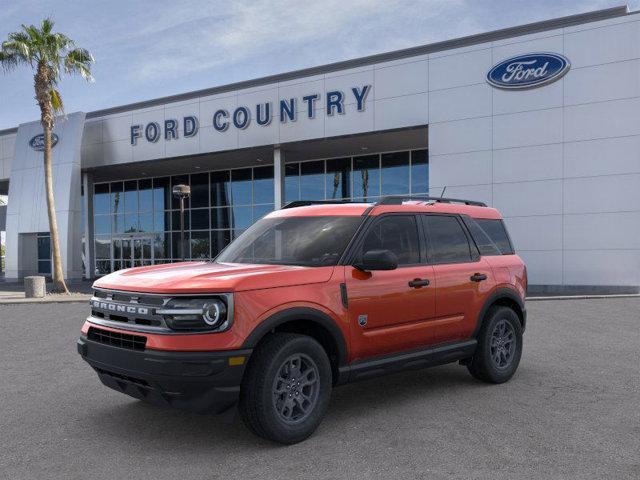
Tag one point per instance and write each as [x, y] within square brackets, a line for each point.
[87, 186]
[34, 287]
[278, 177]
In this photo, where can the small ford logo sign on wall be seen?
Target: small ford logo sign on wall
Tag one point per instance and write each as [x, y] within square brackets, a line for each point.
[37, 142]
[528, 71]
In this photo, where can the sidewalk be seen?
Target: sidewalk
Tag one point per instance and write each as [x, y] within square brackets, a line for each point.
[13, 293]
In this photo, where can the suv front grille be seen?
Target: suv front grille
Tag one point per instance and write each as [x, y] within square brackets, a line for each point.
[117, 339]
[133, 309]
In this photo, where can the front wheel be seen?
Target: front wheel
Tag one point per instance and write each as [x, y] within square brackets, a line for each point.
[287, 387]
[497, 356]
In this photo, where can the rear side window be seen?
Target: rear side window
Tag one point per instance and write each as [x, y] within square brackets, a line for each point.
[448, 242]
[497, 232]
[485, 244]
[396, 233]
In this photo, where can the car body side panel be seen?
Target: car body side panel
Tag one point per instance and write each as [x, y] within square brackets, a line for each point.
[458, 299]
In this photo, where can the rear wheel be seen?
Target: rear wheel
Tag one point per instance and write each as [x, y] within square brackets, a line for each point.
[287, 387]
[499, 346]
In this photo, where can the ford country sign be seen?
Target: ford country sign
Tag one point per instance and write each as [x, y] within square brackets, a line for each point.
[37, 142]
[528, 71]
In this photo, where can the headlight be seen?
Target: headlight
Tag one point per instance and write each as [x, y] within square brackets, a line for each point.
[197, 314]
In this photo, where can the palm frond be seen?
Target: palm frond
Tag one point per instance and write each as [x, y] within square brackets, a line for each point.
[47, 25]
[8, 60]
[79, 60]
[56, 101]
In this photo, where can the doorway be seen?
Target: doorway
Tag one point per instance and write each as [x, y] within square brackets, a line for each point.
[131, 251]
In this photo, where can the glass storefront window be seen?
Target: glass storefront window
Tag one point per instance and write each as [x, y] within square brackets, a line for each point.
[220, 218]
[131, 196]
[420, 171]
[102, 224]
[145, 222]
[101, 199]
[161, 243]
[242, 217]
[200, 246]
[260, 211]
[263, 185]
[130, 222]
[161, 221]
[338, 178]
[312, 180]
[225, 203]
[241, 186]
[175, 220]
[292, 182]
[161, 194]
[145, 195]
[366, 177]
[200, 190]
[220, 188]
[395, 173]
[219, 240]
[102, 247]
[118, 224]
[200, 218]
[117, 191]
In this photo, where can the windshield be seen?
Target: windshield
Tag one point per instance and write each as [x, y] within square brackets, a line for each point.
[305, 241]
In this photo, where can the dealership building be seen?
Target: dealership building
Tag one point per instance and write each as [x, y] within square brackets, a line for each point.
[541, 121]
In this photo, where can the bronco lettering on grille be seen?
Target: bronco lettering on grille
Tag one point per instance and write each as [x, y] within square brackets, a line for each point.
[116, 307]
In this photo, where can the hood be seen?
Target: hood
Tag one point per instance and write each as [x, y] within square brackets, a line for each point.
[207, 277]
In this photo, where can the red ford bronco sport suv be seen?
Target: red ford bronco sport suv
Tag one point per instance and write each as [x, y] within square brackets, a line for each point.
[312, 296]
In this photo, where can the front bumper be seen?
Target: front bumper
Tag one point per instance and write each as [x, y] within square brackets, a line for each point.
[202, 382]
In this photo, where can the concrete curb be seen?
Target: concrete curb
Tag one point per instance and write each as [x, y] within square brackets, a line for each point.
[62, 299]
[582, 297]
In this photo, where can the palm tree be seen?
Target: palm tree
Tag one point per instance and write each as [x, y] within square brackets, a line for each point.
[47, 53]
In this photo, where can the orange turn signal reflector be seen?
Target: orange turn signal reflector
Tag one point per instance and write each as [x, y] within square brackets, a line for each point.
[235, 361]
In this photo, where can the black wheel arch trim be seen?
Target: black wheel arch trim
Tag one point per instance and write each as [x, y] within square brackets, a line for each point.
[496, 296]
[296, 314]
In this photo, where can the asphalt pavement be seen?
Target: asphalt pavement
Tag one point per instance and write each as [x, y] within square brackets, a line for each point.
[571, 412]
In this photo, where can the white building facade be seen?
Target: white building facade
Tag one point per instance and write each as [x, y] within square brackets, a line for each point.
[541, 121]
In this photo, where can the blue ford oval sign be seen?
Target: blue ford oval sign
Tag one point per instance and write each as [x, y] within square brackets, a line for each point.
[37, 142]
[528, 71]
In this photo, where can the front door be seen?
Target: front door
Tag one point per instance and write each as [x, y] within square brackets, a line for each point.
[390, 311]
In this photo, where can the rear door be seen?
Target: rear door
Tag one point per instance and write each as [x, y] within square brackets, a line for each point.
[462, 277]
[390, 310]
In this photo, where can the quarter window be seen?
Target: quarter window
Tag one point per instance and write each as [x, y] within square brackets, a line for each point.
[448, 242]
[397, 234]
[496, 232]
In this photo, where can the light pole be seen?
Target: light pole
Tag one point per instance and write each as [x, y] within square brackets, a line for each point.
[181, 192]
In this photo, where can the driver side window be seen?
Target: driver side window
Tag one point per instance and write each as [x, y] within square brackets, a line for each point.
[398, 234]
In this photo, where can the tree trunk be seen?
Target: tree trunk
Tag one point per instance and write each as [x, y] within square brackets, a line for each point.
[42, 84]
[59, 285]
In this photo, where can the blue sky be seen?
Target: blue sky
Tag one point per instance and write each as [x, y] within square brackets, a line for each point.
[145, 50]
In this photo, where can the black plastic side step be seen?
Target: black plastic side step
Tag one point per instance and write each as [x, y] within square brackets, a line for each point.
[416, 359]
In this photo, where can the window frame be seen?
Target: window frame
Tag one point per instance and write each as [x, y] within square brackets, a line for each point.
[474, 253]
[354, 251]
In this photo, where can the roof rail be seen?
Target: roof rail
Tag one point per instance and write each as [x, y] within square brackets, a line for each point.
[306, 203]
[399, 199]
[387, 200]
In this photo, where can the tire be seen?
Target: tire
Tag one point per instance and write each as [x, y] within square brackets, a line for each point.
[495, 359]
[273, 403]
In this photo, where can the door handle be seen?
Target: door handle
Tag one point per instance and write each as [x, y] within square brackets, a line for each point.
[418, 282]
[478, 277]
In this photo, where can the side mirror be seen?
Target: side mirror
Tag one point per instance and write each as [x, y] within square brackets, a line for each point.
[378, 260]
